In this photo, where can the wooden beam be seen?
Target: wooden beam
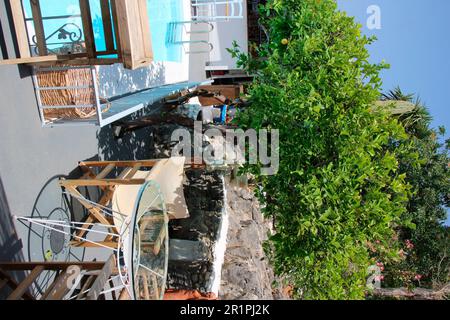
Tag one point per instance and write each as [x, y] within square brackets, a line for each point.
[92, 209]
[105, 172]
[30, 60]
[20, 28]
[134, 30]
[145, 163]
[146, 291]
[102, 279]
[88, 30]
[146, 32]
[155, 285]
[116, 29]
[39, 27]
[58, 288]
[97, 244]
[23, 287]
[124, 295]
[146, 220]
[106, 198]
[107, 24]
[106, 52]
[51, 60]
[50, 288]
[3, 282]
[159, 241]
[124, 173]
[13, 284]
[87, 224]
[86, 285]
[80, 62]
[101, 182]
[133, 171]
[54, 266]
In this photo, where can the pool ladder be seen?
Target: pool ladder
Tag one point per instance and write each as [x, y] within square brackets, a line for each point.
[173, 31]
[209, 10]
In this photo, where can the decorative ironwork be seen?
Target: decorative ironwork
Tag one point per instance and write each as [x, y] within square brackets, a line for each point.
[50, 245]
[75, 40]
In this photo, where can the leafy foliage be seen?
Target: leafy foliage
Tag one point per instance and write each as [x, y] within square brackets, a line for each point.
[426, 241]
[338, 188]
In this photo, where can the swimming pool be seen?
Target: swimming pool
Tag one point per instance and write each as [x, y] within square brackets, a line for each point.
[161, 14]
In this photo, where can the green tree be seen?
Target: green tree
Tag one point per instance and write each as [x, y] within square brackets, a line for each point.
[426, 241]
[338, 190]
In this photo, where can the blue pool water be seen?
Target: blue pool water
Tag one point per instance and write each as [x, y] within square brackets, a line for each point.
[161, 14]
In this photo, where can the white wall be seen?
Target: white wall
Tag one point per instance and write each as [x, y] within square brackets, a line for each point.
[222, 38]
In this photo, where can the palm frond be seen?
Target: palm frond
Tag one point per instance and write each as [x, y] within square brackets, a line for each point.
[397, 95]
[415, 121]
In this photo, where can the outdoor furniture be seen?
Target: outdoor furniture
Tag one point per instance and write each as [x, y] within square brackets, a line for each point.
[68, 92]
[126, 28]
[230, 92]
[141, 270]
[122, 189]
[90, 285]
[130, 218]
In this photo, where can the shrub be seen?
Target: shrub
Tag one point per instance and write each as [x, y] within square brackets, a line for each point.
[338, 188]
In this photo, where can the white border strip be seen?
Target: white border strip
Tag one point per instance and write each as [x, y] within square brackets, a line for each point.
[220, 246]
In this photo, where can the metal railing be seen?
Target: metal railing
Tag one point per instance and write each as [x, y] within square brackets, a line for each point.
[76, 38]
[210, 10]
[174, 31]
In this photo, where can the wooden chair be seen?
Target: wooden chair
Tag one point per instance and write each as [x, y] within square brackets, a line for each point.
[94, 278]
[120, 182]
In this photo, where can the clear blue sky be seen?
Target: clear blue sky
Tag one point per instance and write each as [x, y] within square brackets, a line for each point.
[415, 40]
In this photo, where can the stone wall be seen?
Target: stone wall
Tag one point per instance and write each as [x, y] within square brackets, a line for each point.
[246, 273]
[205, 200]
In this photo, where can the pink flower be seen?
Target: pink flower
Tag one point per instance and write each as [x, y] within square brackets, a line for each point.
[379, 278]
[379, 264]
[378, 241]
[409, 244]
[418, 277]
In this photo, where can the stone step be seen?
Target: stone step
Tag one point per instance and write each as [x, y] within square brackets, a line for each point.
[186, 251]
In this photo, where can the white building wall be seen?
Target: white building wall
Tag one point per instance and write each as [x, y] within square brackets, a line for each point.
[222, 37]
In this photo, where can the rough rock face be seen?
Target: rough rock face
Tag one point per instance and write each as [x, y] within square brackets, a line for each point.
[204, 197]
[246, 273]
